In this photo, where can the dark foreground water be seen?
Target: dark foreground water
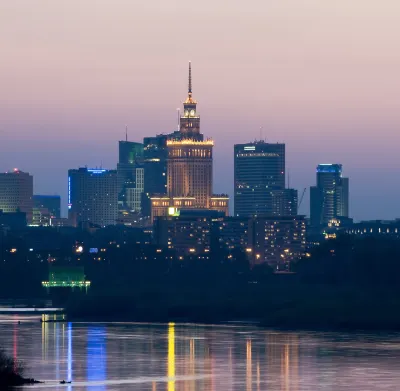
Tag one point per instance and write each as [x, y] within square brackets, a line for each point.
[174, 357]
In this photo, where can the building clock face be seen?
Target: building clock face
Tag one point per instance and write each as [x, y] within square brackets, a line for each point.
[192, 113]
[187, 113]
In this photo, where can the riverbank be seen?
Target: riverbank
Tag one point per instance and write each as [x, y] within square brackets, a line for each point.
[11, 372]
[293, 306]
[15, 381]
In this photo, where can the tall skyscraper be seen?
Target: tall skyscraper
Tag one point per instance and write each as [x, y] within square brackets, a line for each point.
[330, 198]
[130, 175]
[190, 170]
[259, 171]
[190, 157]
[189, 166]
[16, 192]
[155, 154]
[93, 196]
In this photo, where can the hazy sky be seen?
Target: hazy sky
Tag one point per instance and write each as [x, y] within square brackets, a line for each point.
[323, 76]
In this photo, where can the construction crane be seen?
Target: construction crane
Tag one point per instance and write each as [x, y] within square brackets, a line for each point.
[301, 198]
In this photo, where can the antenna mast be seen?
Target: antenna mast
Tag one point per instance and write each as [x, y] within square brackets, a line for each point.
[126, 133]
[178, 110]
[190, 79]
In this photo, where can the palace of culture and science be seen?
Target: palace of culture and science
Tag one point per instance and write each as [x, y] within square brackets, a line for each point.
[189, 167]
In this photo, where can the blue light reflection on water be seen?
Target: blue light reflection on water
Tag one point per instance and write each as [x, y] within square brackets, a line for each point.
[96, 359]
[69, 361]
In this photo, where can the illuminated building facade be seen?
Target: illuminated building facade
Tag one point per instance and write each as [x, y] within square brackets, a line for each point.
[233, 232]
[93, 196]
[191, 232]
[190, 170]
[277, 240]
[130, 175]
[329, 200]
[16, 192]
[388, 228]
[155, 154]
[259, 170]
[189, 167]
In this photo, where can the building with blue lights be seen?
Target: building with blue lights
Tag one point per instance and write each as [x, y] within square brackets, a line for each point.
[93, 196]
[329, 199]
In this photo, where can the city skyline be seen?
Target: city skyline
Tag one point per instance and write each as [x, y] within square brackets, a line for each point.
[319, 89]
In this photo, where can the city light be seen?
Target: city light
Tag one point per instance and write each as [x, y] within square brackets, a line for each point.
[190, 142]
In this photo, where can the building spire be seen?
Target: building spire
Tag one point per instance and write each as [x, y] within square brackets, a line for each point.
[190, 79]
[189, 99]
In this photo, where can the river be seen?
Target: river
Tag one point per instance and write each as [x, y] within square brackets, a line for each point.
[177, 357]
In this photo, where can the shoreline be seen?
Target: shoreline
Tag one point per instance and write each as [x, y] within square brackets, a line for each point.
[230, 323]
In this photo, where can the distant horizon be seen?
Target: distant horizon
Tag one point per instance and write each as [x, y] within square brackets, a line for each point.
[312, 74]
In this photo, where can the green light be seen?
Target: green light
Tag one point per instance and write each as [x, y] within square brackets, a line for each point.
[68, 284]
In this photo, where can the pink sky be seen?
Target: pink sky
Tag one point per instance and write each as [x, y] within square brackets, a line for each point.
[321, 76]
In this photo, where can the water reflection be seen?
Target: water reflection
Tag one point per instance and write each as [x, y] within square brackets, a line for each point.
[175, 357]
[96, 356]
[171, 357]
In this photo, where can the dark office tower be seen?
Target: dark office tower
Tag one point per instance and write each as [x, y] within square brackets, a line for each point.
[52, 203]
[130, 175]
[330, 198]
[259, 178]
[93, 196]
[16, 191]
[155, 156]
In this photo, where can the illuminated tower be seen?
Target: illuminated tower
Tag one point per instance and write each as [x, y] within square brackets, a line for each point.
[190, 158]
[189, 167]
[190, 121]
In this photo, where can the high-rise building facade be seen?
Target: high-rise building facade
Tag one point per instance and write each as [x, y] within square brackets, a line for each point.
[93, 196]
[190, 170]
[16, 192]
[130, 175]
[134, 194]
[155, 154]
[329, 199]
[189, 166]
[259, 176]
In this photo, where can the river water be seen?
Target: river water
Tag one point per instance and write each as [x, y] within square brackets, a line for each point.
[176, 357]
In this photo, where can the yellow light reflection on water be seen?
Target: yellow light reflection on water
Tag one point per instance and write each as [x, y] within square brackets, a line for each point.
[171, 357]
[249, 369]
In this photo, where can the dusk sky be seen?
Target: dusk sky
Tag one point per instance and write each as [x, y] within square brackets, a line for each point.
[322, 76]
